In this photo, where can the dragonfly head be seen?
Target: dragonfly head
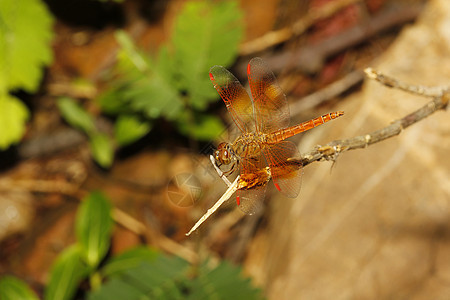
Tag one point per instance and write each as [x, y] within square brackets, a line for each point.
[224, 154]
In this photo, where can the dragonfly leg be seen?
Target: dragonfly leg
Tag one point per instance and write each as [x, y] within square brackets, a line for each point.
[219, 171]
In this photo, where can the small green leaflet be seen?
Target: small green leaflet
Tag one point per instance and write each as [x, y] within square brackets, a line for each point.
[148, 87]
[75, 115]
[203, 127]
[215, 28]
[102, 149]
[93, 228]
[13, 115]
[67, 273]
[117, 265]
[129, 128]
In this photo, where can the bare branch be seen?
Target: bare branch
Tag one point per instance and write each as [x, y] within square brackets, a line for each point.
[276, 37]
[440, 100]
[326, 94]
[413, 89]
[311, 58]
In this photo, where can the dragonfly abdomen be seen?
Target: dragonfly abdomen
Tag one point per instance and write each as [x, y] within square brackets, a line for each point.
[285, 133]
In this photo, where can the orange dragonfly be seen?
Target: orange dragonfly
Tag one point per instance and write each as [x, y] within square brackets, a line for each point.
[261, 151]
[264, 127]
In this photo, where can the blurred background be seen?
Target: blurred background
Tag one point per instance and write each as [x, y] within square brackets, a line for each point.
[108, 116]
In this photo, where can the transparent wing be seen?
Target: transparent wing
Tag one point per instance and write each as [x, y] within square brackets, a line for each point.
[271, 106]
[251, 200]
[285, 166]
[235, 97]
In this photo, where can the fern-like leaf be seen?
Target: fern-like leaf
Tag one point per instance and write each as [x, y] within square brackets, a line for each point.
[145, 274]
[215, 28]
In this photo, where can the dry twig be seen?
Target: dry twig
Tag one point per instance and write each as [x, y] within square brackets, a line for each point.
[276, 37]
[329, 92]
[162, 241]
[40, 186]
[311, 58]
[440, 97]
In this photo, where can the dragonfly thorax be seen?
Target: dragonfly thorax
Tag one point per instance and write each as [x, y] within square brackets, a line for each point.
[249, 145]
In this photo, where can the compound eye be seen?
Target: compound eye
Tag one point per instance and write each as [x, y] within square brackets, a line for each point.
[226, 154]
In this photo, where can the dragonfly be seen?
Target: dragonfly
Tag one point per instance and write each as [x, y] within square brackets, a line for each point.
[261, 151]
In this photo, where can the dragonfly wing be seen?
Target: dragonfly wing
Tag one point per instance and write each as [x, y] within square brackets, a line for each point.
[235, 97]
[285, 166]
[254, 178]
[271, 106]
[251, 200]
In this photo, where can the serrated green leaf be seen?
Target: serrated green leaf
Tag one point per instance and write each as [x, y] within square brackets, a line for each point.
[112, 102]
[129, 54]
[205, 34]
[129, 128]
[155, 278]
[215, 28]
[25, 35]
[128, 260]
[102, 149]
[75, 115]
[223, 282]
[118, 289]
[93, 227]
[67, 273]
[154, 98]
[13, 115]
[12, 288]
[204, 127]
[158, 273]
[147, 87]
[166, 277]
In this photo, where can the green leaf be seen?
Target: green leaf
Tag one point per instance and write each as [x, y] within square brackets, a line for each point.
[128, 260]
[25, 36]
[93, 227]
[176, 83]
[215, 28]
[67, 273]
[111, 101]
[223, 282]
[102, 149]
[147, 87]
[12, 288]
[75, 115]
[13, 115]
[130, 56]
[150, 279]
[118, 289]
[142, 274]
[129, 128]
[204, 127]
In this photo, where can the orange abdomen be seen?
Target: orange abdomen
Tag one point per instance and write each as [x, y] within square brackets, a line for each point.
[285, 133]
